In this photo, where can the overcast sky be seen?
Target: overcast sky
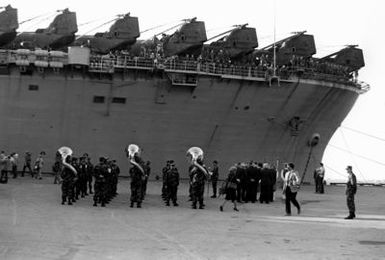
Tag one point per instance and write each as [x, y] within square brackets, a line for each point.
[333, 24]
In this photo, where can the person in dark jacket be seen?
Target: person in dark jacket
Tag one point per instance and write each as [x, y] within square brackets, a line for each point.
[100, 172]
[165, 172]
[147, 171]
[68, 179]
[351, 190]
[137, 177]
[214, 178]
[252, 180]
[230, 189]
[266, 185]
[241, 182]
[172, 183]
[198, 178]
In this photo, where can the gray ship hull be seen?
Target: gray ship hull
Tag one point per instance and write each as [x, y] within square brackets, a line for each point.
[232, 120]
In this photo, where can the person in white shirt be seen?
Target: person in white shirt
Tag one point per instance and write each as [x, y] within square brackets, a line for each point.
[291, 187]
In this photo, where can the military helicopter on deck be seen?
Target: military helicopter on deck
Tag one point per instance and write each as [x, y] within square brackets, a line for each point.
[299, 44]
[350, 56]
[60, 33]
[237, 42]
[8, 25]
[188, 39]
[121, 35]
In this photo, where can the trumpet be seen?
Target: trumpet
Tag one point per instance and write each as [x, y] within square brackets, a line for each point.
[131, 151]
[64, 153]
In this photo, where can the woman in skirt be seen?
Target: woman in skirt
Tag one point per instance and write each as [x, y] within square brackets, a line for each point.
[230, 189]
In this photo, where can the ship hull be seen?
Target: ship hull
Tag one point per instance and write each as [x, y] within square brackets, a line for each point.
[231, 120]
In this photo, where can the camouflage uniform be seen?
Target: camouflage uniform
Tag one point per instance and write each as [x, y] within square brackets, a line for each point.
[83, 177]
[198, 179]
[172, 182]
[100, 172]
[137, 178]
[67, 177]
[89, 174]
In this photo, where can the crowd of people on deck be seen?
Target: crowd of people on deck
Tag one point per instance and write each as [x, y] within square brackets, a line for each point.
[222, 61]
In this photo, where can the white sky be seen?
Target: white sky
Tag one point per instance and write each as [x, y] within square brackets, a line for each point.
[333, 24]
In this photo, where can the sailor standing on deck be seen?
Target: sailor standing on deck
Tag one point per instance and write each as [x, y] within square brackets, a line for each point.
[351, 189]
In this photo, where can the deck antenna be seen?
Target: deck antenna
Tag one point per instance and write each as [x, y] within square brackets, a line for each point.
[274, 46]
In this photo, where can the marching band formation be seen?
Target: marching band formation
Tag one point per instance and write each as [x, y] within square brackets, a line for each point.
[243, 182]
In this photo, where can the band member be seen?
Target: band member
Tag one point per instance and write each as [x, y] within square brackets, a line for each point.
[100, 172]
[68, 174]
[90, 173]
[147, 171]
[57, 169]
[68, 178]
[291, 188]
[115, 173]
[351, 189]
[172, 182]
[214, 178]
[83, 177]
[198, 175]
[137, 178]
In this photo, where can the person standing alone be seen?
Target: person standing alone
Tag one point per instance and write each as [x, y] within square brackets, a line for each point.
[351, 189]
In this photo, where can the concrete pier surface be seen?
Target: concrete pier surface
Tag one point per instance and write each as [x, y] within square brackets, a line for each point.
[34, 225]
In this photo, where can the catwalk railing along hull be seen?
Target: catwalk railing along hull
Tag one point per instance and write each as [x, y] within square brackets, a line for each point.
[232, 120]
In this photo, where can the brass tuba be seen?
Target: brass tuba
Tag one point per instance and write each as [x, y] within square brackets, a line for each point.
[65, 152]
[131, 151]
[195, 154]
